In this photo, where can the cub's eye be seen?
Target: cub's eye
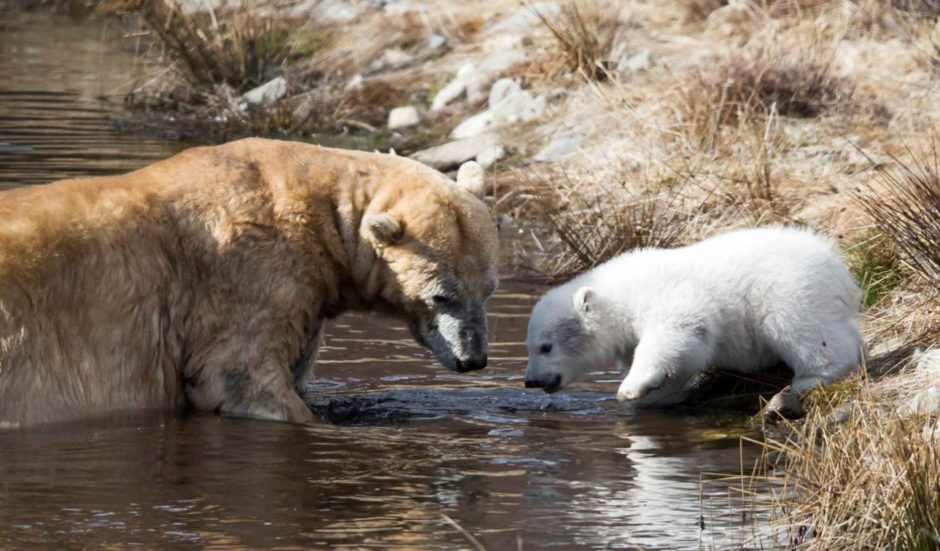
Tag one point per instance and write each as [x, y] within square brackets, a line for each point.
[545, 349]
[441, 299]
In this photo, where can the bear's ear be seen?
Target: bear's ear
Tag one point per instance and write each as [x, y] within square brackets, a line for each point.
[585, 300]
[384, 228]
[471, 177]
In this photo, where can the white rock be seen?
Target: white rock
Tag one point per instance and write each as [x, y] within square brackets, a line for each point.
[925, 402]
[405, 7]
[448, 94]
[639, 63]
[558, 149]
[403, 117]
[525, 17]
[502, 89]
[393, 57]
[455, 89]
[491, 155]
[334, 11]
[465, 70]
[519, 107]
[436, 42]
[454, 154]
[474, 126]
[487, 70]
[267, 93]
[505, 42]
[354, 82]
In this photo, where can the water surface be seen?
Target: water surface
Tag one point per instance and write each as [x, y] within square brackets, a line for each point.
[406, 450]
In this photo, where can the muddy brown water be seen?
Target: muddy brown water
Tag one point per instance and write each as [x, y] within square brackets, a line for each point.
[407, 452]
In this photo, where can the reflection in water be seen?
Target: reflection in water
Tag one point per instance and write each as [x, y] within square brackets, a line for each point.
[52, 69]
[403, 443]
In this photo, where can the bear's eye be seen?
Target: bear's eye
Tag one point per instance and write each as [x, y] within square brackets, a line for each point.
[545, 349]
[441, 299]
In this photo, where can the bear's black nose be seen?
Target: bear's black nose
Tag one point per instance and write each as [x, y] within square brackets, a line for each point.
[533, 383]
[473, 364]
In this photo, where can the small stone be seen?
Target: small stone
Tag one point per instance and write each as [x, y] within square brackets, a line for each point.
[267, 93]
[842, 413]
[455, 89]
[436, 42]
[502, 89]
[526, 17]
[403, 117]
[474, 126]
[558, 149]
[639, 63]
[490, 156]
[391, 58]
[519, 107]
[354, 82]
[784, 405]
[925, 402]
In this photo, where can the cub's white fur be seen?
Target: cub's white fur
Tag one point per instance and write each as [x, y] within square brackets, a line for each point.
[742, 301]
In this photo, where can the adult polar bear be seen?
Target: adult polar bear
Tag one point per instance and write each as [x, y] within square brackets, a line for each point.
[205, 278]
[742, 301]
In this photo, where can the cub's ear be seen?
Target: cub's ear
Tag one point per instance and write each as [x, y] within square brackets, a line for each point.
[585, 300]
[471, 177]
[384, 228]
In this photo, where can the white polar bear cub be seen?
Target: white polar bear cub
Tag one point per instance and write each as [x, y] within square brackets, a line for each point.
[741, 301]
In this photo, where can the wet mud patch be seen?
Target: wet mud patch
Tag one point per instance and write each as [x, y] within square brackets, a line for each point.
[415, 405]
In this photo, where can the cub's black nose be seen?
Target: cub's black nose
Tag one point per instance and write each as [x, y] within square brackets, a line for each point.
[532, 383]
[473, 364]
[553, 384]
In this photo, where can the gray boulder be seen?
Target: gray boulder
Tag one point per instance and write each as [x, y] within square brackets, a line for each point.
[452, 155]
[267, 93]
[558, 149]
[403, 117]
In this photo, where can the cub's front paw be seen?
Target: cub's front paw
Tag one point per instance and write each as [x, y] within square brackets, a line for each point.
[631, 389]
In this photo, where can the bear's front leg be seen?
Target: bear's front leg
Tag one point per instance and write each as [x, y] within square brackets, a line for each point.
[664, 355]
[243, 380]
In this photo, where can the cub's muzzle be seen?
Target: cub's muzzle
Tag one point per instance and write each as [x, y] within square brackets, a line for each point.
[549, 384]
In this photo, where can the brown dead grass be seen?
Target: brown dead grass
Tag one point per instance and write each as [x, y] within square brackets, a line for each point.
[597, 221]
[752, 85]
[586, 33]
[905, 204]
[240, 46]
[871, 482]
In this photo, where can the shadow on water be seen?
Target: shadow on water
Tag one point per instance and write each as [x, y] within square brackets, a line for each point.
[402, 443]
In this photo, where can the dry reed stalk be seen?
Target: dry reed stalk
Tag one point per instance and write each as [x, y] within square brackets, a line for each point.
[587, 34]
[237, 45]
[906, 209]
[596, 220]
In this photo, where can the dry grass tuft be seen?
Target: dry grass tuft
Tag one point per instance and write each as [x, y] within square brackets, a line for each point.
[587, 34]
[239, 45]
[871, 482]
[596, 220]
[348, 53]
[906, 208]
[756, 84]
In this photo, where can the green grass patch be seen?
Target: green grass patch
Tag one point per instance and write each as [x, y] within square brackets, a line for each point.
[876, 265]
